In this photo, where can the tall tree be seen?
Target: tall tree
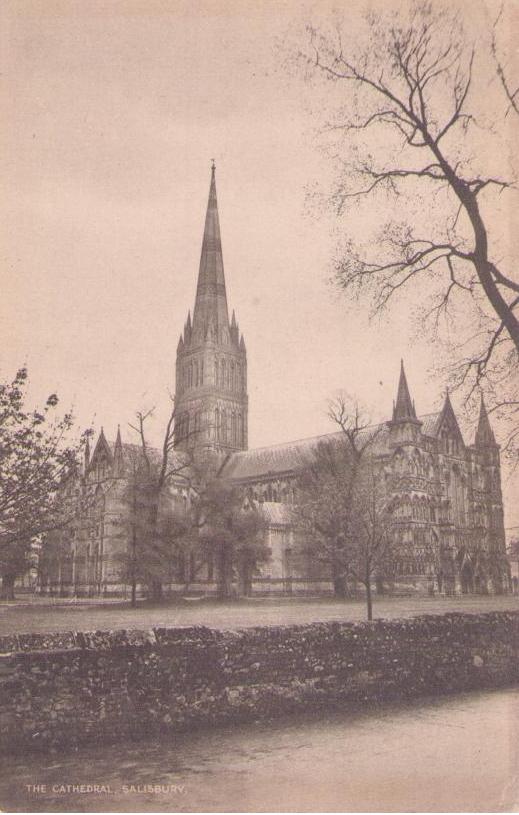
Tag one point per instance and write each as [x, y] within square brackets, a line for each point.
[36, 458]
[415, 94]
[231, 533]
[158, 538]
[155, 533]
[342, 508]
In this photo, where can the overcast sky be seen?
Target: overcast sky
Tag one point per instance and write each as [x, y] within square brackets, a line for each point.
[114, 111]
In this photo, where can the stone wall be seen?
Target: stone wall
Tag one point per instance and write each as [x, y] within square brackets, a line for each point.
[62, 690]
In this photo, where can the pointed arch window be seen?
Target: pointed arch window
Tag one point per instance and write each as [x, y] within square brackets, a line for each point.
[224, 374]
[234, 437]
[217, 423]
[223, 424]
[231, 378]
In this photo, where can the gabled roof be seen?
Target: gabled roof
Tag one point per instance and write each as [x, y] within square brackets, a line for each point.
[448, 417]
[291, 456]
[126, 454]
[286, 458]
[101, 448]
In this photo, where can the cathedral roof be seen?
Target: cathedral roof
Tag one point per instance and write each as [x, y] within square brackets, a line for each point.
[211, 298]
[279, 459]
[126, 454]
[290, 456]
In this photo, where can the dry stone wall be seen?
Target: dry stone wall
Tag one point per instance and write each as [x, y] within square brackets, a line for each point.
[63, 690]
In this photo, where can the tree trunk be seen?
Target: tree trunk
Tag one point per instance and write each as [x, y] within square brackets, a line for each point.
[156, 582]
[224, 573]
[369, 600]
[133, 573]
[156, 589]
[339, 587]
[7, 590]
[468, 199]
[246, 579]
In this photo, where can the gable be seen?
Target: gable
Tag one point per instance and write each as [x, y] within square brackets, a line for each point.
[448, 426]
[102, 454]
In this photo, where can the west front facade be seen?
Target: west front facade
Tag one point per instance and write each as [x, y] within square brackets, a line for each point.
[446, 495]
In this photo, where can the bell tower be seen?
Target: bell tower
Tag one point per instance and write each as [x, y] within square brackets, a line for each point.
[211, 370]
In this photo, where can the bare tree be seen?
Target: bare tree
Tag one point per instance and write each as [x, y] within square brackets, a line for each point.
[502, 58]
[156, 531]
[151, 529]
[408, 128]
[342, 509]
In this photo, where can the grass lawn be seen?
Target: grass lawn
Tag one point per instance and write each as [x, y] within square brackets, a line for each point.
[47, 616]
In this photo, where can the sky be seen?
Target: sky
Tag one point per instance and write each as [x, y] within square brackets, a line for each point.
[114, 112]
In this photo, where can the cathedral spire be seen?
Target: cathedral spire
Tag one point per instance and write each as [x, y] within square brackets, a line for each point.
[118, 453]
[211, 377]
[404, 407]
[484, 433]
[211, 297]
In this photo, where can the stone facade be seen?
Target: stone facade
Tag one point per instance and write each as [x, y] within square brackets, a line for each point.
[448, 520]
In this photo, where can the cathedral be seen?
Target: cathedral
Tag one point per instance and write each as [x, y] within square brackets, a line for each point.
[446, 494]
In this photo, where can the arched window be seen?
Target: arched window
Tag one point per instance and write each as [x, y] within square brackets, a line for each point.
[238, 377]
[217, 372]
[223, 424]
[196, 373]
[231, 383]
[224, 374]
[217, 423]
[233, 428]
[239, 429]
[201, 371]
